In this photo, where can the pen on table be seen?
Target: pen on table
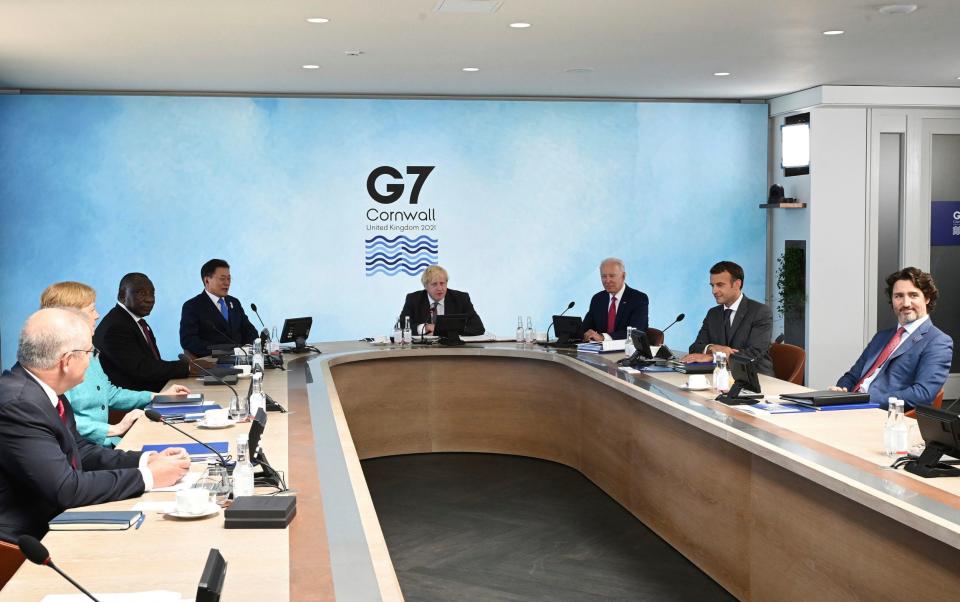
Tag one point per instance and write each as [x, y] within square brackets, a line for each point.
[143, 515]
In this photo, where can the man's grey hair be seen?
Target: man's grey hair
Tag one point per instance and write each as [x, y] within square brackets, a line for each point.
[49, 334]
[614, 260]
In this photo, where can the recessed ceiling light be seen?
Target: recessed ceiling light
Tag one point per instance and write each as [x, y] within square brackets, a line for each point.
[311, 66]
[520, 25]
[897, 9]
[353, 52]
[470, 69]
[834, 32]
[579, 70]
[317, 20]
[722, 73]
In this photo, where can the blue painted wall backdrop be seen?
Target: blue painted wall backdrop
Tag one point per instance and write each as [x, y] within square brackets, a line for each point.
[528, 197]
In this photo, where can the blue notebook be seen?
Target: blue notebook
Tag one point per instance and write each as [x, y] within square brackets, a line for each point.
[197, 452]
[95, 521]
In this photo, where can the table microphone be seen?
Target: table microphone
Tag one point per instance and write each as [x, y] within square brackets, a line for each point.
[37, 553]
[155, 416]
[569, 307]
[209, 373]
[264, 334]
[679, 319]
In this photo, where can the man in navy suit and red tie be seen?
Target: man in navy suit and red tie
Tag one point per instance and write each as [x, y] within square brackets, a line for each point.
[213, 317]
[616, 306]
[46, 467]
[912, 361]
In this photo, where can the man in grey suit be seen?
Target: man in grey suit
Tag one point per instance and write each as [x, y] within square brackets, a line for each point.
[736, 325]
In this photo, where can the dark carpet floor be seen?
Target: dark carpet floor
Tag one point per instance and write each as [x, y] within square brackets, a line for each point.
[492, 527]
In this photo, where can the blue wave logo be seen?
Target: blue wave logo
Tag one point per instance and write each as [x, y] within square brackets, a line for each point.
[401, 254]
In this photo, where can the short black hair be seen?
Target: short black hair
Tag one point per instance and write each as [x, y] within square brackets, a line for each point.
[211, 266]
[728, 266]
[134, 281]
[920, 279]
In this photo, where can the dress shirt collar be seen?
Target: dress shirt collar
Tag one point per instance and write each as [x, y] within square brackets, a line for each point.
[736, 304]
[216, 299]
[619, 294]
[135, 317]
[54, 398]
[911, 327]
[431, 301]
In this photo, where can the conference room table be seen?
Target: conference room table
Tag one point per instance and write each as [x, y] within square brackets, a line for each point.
[773, 507]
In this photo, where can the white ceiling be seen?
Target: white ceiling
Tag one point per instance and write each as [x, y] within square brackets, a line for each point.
[636, 48]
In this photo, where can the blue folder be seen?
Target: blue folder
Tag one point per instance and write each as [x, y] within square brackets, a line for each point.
[197, 452]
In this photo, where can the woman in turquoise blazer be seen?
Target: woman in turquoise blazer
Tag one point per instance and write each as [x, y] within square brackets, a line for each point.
[93, 399]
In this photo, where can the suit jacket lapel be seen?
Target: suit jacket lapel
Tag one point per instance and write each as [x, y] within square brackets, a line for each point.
[51, 411]
[621, 308]
[738, 318]
[910, 341]
[214, 310]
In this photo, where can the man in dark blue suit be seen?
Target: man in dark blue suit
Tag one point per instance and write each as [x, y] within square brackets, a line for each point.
[616, 306]
[46, 467]
[912, 361]
[213, 317]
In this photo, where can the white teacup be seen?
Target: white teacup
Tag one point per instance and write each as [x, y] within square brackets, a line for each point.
[193, 501]
[697, 381]
[541, 337]
[217, 417]
[244, 369]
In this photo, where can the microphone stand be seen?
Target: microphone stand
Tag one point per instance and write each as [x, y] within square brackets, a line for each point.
[569, 307]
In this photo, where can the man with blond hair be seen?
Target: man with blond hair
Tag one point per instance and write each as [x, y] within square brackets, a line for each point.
[46, 467]
[436, 299]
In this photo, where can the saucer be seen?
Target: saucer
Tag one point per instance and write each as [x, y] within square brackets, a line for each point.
[210, 511]
[230, 422]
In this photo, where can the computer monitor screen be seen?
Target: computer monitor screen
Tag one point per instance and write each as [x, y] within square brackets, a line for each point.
[641, 344]
[296, 330]
[212, 578]
[257, 427]
[449, 327]
[567, 328]
[941, 436]
[745, 376]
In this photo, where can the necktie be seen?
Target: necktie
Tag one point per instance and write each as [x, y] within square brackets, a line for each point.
[433, 312]
[612, 315]
[726, 326]
[62, 412]
[149, 336]
[886, 353]
[223, 309]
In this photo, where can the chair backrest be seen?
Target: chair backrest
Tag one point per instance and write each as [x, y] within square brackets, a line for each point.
[938, 400]
[788, 361]
[937, 403]
[10, 560]
[654, 336]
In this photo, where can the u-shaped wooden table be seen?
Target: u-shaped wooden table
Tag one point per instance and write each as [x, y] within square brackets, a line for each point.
[791, 507]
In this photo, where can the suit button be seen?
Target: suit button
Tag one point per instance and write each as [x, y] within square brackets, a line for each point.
[103, 407]
[98, 387]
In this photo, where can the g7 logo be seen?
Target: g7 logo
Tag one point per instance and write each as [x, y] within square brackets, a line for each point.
[956, 215]
[395, 190]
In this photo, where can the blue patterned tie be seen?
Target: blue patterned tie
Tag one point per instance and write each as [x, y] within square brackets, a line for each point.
[223, 309]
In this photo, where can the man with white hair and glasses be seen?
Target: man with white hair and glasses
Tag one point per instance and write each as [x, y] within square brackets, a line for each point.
[46, 467]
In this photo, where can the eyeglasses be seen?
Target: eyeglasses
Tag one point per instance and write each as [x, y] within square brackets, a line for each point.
[93, 350]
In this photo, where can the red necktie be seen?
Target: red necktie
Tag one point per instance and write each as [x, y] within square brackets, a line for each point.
[612, 315]
[149, 334]
[62, 411]
[887, 351]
